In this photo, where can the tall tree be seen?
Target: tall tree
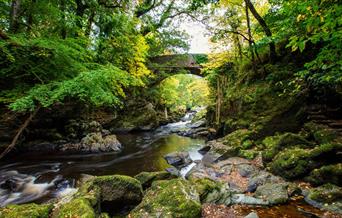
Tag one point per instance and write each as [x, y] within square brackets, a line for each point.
[266, 29]
[14, 15]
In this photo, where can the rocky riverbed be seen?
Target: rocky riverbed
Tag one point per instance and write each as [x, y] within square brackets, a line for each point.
[214, 187]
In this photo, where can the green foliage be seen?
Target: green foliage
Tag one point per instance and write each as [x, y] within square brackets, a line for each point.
[104, 86]
[182, 91]
[310, 24]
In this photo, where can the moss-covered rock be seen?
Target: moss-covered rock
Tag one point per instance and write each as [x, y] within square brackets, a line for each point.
[273, 193]
[237, 138]
[321, 133]
[327, 196]
[26, 211]
[118, 188]
[297, 162]
[169, 198]
[326, 174]
[274, 144]
[211, 191]
[147, 178]
[79, 207]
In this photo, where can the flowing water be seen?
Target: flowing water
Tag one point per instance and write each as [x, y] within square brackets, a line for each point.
[36, 177]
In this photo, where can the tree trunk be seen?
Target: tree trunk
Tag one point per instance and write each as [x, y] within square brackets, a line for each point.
[30, 16]
[165, 113]
[250, 40]
[20, 131]
[14, 16]
[63, 30]
[266, 29]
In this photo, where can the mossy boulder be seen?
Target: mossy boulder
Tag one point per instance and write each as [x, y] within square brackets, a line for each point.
[147, 178]
[26, 211]
[327, 196]
[169, 198]
[118, 188]
[211, 191]
[274, 193]
[321, 133]
[274, 144]
[296, 162]
[78, 207]
[109, 190]
[237, 138]
[326, 174]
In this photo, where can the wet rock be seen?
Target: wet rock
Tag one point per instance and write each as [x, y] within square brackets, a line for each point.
[170, 198]
[197, 124]
[328, 197]
[252, 215]
[204, 150]
[26, 211]
[249, 200]
[246, 170]
[178, 159]
[212, 192]
[147, 178]
[95, 142]
[261, 178]
[273, 193]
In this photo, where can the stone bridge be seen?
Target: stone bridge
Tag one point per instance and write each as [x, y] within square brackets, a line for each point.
[169, 65]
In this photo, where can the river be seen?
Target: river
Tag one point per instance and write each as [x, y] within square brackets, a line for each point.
[38, 178]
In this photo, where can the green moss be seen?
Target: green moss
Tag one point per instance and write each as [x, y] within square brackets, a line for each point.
[248, 154]
[277, 143]
[169, 198]
[118, 188]
[327, 193]
[26, 211]
[321, 133]
[146, 178]
[292, 163]
[79, 207]
[237, 138]
[211, 191]
[326, 174]
[297, 162]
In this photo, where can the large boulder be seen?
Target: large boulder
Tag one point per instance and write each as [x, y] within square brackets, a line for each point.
[274, 193]
[93, 143]
[277, 143]
[326, 174]
[170, 198]
[296, 162]
[102, 190]
[26, 211]
[118, 188]
[328, 197]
